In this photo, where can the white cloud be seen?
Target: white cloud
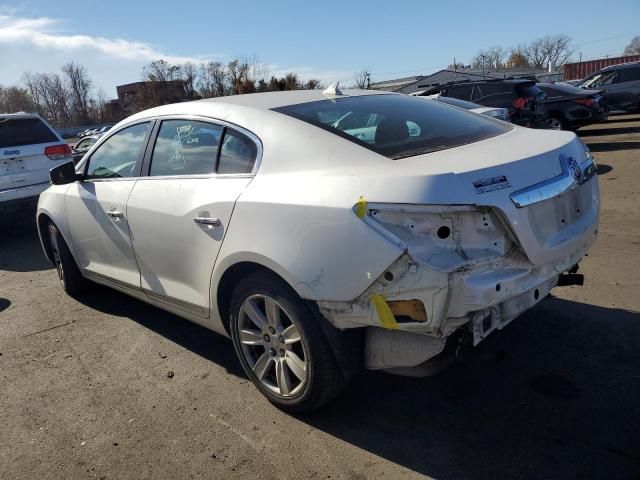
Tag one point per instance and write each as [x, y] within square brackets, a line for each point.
[37, 45]
[40, 45]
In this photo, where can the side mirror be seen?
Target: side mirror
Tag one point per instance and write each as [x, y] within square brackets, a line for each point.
[64, 174]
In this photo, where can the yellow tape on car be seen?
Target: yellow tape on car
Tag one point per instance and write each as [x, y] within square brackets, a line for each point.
[387, 320]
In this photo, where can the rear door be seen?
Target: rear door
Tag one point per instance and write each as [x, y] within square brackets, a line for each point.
[180, 212]
[96, 207]
[23, 163]
[624, 91]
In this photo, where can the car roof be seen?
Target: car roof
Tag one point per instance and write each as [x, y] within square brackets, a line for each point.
[260, 101]
[621, 65]
[20, 115]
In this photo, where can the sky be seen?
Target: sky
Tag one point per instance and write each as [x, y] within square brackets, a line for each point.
[324, 39]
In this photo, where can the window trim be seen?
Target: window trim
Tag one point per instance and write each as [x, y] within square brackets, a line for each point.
[139, 160]
[146, 165]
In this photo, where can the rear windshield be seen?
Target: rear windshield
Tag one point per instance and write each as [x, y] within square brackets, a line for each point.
[15, 132]
[396, 126]
[528, 90]
[456, 102]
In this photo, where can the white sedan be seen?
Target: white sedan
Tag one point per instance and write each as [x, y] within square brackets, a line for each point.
[325, 231]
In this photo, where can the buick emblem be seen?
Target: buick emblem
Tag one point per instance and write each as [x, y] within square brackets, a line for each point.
[574, 169]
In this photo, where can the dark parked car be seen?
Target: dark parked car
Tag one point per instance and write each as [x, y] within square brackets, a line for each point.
[521, 97]
[621, 85]
[569, 108]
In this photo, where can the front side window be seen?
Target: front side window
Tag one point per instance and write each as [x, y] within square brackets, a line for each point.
[118, 155]
[599, 80]
[404, 126]
[185, 147]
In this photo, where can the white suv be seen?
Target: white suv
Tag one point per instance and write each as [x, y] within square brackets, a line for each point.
[29, 148]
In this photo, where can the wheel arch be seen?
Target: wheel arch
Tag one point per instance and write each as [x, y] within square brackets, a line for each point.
[42, 221]
[226, 277]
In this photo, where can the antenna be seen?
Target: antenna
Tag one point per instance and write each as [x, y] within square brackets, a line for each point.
[333, 89]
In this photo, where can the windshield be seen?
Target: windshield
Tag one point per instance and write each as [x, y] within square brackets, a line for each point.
[396, 126]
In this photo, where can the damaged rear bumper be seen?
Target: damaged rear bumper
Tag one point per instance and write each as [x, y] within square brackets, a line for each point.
[479, 295]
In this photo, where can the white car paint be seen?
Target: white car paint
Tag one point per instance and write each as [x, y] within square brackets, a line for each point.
[24, 169]
[332, 218]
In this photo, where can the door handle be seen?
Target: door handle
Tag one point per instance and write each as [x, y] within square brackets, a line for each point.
[209, 221]
[115, 214]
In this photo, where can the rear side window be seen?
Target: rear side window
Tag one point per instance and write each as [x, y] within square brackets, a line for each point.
[15, 132]
[404, 126]
[237, 154]
[628, 75]
[185, 147]
[118, 155]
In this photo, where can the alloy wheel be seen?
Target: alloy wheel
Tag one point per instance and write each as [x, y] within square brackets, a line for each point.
[271, 345]
[555, 124]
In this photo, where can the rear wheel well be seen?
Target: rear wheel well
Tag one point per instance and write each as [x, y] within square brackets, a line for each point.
[230, 279]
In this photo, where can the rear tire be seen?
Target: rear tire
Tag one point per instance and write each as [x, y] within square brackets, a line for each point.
[557, 123]
[68, 272]
[281, 345]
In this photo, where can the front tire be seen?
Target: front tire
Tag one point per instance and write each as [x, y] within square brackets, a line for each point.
[281, 346]
[68, 272]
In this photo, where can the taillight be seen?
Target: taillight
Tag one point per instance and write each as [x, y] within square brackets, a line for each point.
[57, 152]
[520, 103]
[585, 101]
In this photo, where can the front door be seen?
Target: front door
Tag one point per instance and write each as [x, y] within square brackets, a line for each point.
[96, 207]
[179, 214]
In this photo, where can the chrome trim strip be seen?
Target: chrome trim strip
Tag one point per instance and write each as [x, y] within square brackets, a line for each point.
[210, 119]
[178, 304]
[138, 292]
[572, 176]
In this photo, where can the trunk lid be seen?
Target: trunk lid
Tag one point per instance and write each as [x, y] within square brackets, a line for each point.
[489, 174]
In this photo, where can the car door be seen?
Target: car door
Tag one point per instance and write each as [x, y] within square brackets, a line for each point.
[180, 212]
[624, 91]
[96, 207]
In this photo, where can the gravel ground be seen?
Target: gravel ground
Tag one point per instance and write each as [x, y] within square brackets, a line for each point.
[86, 389]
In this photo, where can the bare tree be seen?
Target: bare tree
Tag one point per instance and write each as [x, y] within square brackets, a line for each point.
[557, 49]
[240, 77]
[15, 99]
[213, 80]
[536, 53]
[496, 56]
[79, 86]
[189, 76]
[362, 78]
[161, 71]
[312, 84]
[633, 48]
[518, 57]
